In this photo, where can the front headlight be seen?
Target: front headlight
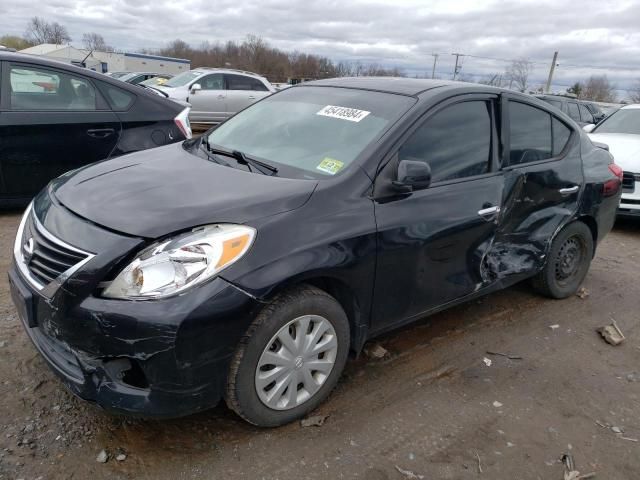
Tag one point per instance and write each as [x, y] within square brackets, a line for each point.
[173, 265]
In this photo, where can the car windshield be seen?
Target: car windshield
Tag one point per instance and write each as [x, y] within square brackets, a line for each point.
[626, 120]
[317, 130]
[182, 79]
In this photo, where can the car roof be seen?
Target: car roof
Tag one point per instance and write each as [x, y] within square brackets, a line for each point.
[397, 85]
[633, 106]
[226, 70]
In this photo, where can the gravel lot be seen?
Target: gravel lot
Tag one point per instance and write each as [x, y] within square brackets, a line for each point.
[431, 409]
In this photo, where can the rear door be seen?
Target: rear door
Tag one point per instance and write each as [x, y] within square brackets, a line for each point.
[242, 91]
[209, 104]
[431, 242]
[52, 121]
[542, 184]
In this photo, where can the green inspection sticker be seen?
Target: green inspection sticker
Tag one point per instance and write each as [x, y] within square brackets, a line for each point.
[330, 165]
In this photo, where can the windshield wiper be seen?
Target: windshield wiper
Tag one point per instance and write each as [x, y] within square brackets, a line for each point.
[243, 159]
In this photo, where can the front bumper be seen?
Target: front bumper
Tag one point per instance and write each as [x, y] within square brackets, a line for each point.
[165, 358]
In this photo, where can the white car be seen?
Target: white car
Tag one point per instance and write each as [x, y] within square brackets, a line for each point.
[621, 132]
[216, 94]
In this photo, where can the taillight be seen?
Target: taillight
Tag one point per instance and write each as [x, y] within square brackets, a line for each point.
[616, 170]
[182, 122]
[612, 186]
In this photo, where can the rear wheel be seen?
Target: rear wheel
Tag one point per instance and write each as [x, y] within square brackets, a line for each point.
[290, 359]
[568, 262]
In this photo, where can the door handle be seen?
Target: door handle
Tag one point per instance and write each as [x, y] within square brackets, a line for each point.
[569, 190]
[489, 212]
[100, 132]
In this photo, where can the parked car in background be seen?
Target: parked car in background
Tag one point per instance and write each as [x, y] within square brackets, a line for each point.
[574, 108]
[155, 81]
[55, 117]
[621, 132]
[245, 264]
[136, 78]
[216, 94]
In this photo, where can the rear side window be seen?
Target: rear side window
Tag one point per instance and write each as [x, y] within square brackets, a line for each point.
[555, 103]
[241, 82]
[43, 89]
[561, 134]
[529, 133]
[572, 110]
[455, 142]
[258, 86]
[118, 98]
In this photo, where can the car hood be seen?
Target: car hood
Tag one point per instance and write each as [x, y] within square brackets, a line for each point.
[163, 190]
[624, 147]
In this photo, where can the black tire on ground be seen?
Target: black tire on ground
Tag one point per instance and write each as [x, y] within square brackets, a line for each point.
[567, 263]
[241, 393]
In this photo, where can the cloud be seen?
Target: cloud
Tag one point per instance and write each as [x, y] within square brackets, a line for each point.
[592, 36]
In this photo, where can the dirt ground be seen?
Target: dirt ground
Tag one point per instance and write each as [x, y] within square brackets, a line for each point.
[432, 410]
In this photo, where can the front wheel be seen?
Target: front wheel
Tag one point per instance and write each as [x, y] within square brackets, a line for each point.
[567, 263]
[290, 358]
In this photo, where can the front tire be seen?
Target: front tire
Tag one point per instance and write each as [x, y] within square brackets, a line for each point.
[290, 358]
[567, 263]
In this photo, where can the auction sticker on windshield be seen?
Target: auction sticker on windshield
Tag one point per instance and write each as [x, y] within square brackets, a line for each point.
[343, 113]
[330, 165]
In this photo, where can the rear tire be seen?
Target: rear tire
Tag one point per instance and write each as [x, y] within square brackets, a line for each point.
[299, 341]
[567, 263]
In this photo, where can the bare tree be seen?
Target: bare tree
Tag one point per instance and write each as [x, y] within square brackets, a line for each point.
[41, 31]
[518, 73]
[494, 80]
[95, 42]
[576, 89]
[599, 89]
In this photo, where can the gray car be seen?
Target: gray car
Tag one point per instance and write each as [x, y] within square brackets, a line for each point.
[215, 94]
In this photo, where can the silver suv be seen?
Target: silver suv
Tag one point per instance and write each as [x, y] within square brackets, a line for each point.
[215, 94]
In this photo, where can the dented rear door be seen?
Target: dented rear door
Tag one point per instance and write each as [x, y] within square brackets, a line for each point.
[543, 180]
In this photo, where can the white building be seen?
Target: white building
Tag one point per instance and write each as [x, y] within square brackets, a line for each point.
[110, 61]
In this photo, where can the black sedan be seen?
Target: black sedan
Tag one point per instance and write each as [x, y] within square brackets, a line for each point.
[55, 117]
[247, 264]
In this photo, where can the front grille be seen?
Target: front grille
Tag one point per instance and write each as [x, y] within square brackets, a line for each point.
[629, 181]
[43, 257]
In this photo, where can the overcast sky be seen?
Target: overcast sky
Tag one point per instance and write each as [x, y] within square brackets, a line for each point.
[592, 36]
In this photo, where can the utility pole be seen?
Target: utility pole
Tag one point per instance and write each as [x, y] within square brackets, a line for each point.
[553, 67]
[455, 70]
[433, 70]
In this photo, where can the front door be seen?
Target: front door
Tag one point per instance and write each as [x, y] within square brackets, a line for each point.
[50, 122]
[209, 104]
[432, 242]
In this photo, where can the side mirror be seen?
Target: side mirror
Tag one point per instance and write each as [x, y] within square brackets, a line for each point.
[195, 87]
[412, 175]
[589, 128]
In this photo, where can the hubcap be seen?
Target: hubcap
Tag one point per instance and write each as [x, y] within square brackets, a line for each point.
[296, 362]
[569, 259]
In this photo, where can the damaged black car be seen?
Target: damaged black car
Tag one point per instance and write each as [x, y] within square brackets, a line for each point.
[246, 264]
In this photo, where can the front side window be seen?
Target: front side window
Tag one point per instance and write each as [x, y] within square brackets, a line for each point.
[318, 131]
[585, 114]
[212, 82]
[42, 89]
[573, 111]
[455, 142]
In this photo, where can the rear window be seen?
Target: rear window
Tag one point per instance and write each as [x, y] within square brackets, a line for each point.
[626, 120]
[118, 98]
